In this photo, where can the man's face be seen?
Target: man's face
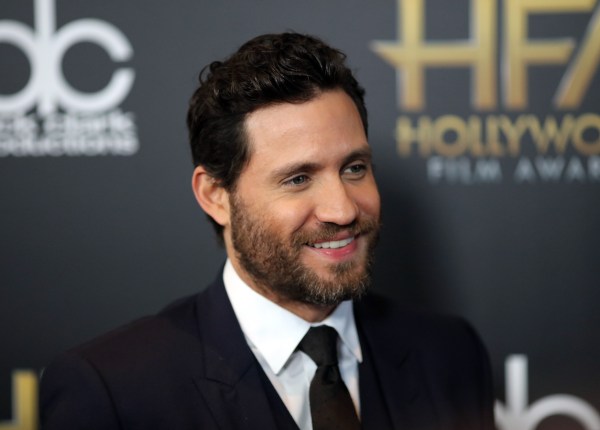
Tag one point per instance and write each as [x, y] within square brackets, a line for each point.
[304, 215]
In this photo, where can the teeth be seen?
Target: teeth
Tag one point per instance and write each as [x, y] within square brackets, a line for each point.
[333, 244]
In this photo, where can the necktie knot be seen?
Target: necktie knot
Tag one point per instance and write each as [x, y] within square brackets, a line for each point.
[320, 344]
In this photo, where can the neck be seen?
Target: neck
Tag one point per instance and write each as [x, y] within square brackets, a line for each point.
[309, 312]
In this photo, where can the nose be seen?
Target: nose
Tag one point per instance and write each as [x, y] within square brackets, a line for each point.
[336, 204]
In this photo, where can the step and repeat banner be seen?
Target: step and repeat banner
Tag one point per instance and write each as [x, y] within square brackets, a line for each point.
[485, 124]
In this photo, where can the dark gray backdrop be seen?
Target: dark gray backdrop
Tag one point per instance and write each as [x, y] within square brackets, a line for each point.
[91, 242]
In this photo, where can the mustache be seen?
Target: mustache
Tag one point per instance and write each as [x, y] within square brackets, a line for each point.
[327, 231]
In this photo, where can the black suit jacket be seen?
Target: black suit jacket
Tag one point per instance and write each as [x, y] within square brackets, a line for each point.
[189, 367]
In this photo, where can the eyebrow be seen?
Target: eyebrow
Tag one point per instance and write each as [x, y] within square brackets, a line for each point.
[309, 167]
[363, 153]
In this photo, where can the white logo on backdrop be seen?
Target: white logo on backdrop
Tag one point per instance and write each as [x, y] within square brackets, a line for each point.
[92, 123]
[517, 415]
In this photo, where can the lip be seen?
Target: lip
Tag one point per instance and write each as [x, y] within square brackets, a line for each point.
[337, 254]
[337, 237]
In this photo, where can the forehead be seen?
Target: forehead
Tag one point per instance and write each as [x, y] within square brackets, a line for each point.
[323, 129]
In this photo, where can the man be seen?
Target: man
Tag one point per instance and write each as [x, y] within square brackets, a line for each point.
[283, 338]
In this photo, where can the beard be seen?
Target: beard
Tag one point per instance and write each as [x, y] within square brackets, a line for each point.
[274, 261]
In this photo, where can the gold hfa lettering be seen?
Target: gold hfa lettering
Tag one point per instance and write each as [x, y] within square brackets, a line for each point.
[412, 54]
[25, 404]
[520, 52]
[580, 72]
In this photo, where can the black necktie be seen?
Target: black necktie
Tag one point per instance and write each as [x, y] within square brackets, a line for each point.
[331, 406]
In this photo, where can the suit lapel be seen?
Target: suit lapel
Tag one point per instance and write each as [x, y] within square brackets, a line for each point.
[394, 366]
[230, 380]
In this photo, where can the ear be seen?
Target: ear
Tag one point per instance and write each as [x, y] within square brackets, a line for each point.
[211, 196]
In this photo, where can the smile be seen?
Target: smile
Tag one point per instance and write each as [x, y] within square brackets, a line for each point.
[333, 244]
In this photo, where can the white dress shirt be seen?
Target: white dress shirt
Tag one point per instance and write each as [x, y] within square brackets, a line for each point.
[273, 333]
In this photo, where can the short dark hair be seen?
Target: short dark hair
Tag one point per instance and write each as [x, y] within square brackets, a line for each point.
[269, 69]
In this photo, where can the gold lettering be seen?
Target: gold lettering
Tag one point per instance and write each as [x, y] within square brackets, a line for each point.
[551, 132]
[580, 72]
[514, 132]
[450, 124]
[25, 405]
[520, 52]
[406, 136]
[474, 138]
[412, 54]
[492, 129]
[496, 135]
[584, 122]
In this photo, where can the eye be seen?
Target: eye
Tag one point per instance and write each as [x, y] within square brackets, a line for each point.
[356, 169]
[297, 180]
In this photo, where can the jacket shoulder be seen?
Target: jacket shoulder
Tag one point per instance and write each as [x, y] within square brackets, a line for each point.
[137, 372]
[444, 355]
[149, 337]
[391, 320]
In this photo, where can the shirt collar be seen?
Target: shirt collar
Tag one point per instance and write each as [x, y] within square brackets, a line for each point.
[275, 331]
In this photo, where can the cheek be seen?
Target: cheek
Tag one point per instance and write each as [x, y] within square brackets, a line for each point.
[287, 217]
[368, 200]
